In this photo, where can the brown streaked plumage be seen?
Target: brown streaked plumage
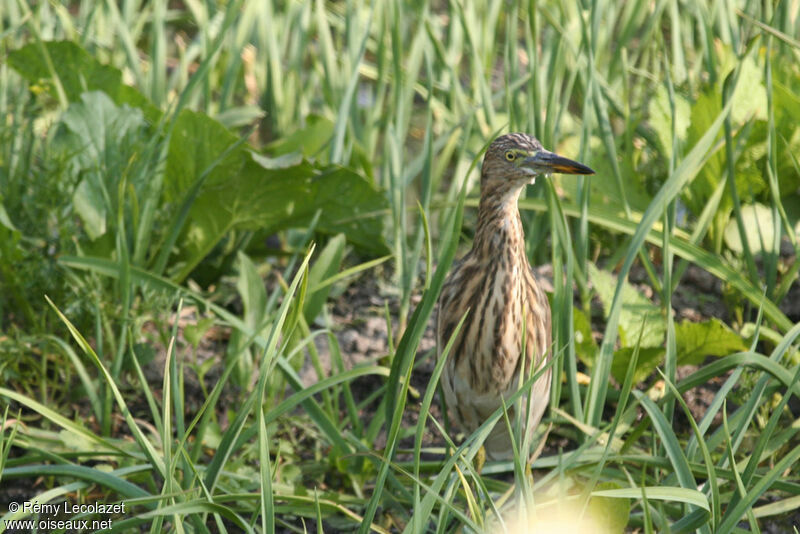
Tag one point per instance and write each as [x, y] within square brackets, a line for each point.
[495, 282]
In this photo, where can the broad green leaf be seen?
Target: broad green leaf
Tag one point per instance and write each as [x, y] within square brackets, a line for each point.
[78, 72]
[287, 197]
[704, 111]
[254, 296]
[661, 118]
[247, 191]
[636, 309]
[749, 103]
[749, 175]
[100, 140]
[309, 141]
[254, 301]
[197, 142]
[759, 230]
[609, 514]
[696, 341]
[750, 96]
[786, 107]
[649, 359]
[90, 205]
[240, 116]
[98, 127]
[585, 346]
[195, 332]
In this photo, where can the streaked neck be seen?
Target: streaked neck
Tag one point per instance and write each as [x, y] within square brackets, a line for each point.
[499, 228]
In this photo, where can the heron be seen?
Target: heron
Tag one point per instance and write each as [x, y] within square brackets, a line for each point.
[496, 287]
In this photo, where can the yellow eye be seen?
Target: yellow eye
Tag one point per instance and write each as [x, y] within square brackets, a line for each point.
[510, 156]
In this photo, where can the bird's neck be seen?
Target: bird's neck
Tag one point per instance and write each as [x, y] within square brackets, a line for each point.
[499, 228]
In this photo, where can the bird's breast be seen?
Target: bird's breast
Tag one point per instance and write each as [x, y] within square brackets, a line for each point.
[504, 305]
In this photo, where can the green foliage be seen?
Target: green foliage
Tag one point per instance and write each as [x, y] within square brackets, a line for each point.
[310, 141]
[325, 267]
[585, 345]
[359, 125]
[101, 142]
[650, 358]
[662, 117]
[697, 341]
[609, 514]
[759, 230]
[63, 67]
[637, 310]
[237, 188]
[641, 328]
[251, 290]
[242, 190]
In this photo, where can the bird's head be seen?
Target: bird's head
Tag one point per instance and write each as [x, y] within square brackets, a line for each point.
[515, 159]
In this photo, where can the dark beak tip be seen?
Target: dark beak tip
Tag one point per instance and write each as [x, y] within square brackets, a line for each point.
[549, 162]
[560, 164]
[575, 169]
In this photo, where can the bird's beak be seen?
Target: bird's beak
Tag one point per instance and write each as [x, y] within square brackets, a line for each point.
[545, 162]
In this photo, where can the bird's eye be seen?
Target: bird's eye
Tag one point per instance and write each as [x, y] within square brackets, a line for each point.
[510, 156]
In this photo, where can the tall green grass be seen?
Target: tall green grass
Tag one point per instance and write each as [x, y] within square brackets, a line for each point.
[687, 112]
